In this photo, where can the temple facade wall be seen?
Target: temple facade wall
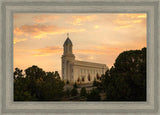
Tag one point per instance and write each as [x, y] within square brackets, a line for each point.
[79, 71]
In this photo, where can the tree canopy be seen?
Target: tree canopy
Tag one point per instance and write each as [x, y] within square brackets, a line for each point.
[126, 80]
[36, 84]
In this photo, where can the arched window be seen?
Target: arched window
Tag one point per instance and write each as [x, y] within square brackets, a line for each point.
[89, 78]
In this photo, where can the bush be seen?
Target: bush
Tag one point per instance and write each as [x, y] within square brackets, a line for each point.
[83, 92]
[74, 92]
[67, 92]
[94, 95]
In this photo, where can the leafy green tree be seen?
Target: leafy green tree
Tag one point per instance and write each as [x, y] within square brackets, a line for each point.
[37, 85]
[126, 81]
[57, 75]
[35, 72]
[51, 89]
[21, 92]
[18, 73]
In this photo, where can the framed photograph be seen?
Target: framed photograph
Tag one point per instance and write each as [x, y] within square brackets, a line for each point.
[80, 57]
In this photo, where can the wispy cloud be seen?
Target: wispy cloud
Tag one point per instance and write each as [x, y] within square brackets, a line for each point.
[98, 50]
[43, 18]
[41, 31]
[16, 40]
[79, 20]
[47, 51]
[129, 20]
[85, 51]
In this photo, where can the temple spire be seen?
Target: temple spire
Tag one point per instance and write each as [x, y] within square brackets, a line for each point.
[67, 35]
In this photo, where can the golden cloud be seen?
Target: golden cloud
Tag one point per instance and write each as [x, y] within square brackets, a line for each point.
[45, 18]
[47, 51]
[78, 20]
[41, 31]
[128, 20]
[100, 50]
[16, 40]
[84, 51]
[57, 50]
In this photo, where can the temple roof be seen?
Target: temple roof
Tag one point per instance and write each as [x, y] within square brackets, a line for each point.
[68, 41]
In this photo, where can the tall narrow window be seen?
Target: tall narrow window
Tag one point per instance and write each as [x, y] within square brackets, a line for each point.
[70, 48]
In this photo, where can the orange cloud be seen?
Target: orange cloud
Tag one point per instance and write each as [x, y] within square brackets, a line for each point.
[41, 31]
[56, 50]
[45, 18]
[16, 40]
[100, 50]
[133, 16]
[47, 51]
[84, 51]
[78, 20]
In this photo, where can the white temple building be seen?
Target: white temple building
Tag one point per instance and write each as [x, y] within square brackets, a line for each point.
[79, 71]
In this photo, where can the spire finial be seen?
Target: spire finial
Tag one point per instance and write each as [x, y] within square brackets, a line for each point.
[67, 35]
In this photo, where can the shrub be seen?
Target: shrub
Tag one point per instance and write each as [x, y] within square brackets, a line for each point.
[83, 92]
[74, 92]
[94, 95]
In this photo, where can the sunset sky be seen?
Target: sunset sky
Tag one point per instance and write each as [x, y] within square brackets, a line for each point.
[99, 38]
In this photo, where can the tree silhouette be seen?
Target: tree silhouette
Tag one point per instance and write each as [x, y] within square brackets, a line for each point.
[94, 95]
[37, 85]
[126, 81]
[83, 92]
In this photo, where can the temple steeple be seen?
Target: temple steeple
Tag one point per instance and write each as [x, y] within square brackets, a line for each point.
[68, 58]
[67, 46]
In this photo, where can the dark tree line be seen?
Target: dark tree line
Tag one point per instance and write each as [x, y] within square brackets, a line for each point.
[126, 81]
[37, 85]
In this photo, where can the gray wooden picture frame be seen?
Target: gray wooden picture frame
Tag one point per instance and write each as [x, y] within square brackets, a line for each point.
[9, 7]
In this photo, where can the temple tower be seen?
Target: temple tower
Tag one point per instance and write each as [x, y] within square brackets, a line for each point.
[67, 60]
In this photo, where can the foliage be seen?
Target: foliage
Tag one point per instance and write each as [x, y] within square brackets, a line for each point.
[94, 95]
[74, 92]
[126, 81]
[94, 82]
[20, 90]
[83, 92]
[37, 85]
[67, 92]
